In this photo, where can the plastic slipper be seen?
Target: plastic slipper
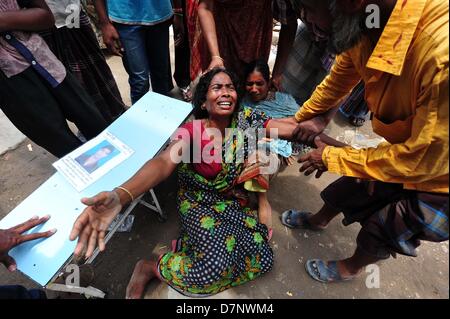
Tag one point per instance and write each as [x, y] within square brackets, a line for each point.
[324, 272]
[295, 219]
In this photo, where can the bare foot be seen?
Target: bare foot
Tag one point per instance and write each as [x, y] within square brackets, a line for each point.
[346, 270]
[142, 274]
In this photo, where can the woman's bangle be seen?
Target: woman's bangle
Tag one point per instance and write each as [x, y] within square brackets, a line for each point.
[126, 191]
[218, 57]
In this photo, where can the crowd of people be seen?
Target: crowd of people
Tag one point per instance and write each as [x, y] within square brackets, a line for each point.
[328, 60]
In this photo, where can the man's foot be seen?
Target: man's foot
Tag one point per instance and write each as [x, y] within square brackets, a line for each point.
[142, 274]
[295, 219]
[331, 271]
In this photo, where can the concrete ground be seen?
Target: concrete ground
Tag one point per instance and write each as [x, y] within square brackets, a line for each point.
[24, 168]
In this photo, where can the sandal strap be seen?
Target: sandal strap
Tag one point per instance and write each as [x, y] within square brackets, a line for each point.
[299, 217]
[324, 272]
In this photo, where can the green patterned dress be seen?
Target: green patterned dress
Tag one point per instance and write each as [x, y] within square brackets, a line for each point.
[222, 244]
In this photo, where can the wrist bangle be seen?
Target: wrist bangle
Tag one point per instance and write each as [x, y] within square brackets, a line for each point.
[126, 191]
[218, 57]
[179, 14]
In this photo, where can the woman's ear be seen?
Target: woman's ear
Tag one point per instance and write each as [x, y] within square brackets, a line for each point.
[351, 6]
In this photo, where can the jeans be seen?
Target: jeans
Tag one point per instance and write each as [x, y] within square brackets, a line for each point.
[146, 57]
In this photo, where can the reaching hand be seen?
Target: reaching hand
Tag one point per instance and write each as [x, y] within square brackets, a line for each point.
[10, 238]
[307, 131]
[216, 62]
[313, 160]
[90, 227]
[111, 39]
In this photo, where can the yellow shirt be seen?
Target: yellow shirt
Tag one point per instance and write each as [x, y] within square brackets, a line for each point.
[406, 82]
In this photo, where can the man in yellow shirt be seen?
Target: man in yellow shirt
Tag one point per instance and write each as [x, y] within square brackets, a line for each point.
[398, 191]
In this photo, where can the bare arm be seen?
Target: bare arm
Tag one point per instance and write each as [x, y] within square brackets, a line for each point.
[110, 35]
[35, 18]
[208, 25]
[91, 226]
[153, 172]
[100, 7]
[287, 126]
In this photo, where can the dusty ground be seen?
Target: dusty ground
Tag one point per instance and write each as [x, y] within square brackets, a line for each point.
[427, 276]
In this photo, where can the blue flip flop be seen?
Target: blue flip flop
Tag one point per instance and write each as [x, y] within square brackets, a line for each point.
[295, 219]
[324, 272]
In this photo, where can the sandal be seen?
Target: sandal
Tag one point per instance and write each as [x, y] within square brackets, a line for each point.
[325, 272]
[295, 219]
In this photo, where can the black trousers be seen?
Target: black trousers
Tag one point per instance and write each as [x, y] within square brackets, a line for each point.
[40, 111]
[182, 74]
[79, 51]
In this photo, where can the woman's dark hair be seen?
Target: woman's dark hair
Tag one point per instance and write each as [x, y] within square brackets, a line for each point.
[201, 91]
[260, 66]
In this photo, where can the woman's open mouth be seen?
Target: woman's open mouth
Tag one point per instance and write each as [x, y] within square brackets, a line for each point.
[225, 105]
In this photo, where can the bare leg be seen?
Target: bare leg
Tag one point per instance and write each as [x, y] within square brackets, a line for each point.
[264, 210]
[144, 271]
[322, 218]
[355, 264]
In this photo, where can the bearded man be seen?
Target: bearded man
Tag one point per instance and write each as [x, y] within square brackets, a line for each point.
[397, 191]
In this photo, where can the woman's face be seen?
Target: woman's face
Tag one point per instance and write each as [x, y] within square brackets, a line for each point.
[256, 86]
[221, 97]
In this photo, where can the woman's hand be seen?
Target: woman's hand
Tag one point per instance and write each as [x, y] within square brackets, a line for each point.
[216, 62]
[90, 227]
